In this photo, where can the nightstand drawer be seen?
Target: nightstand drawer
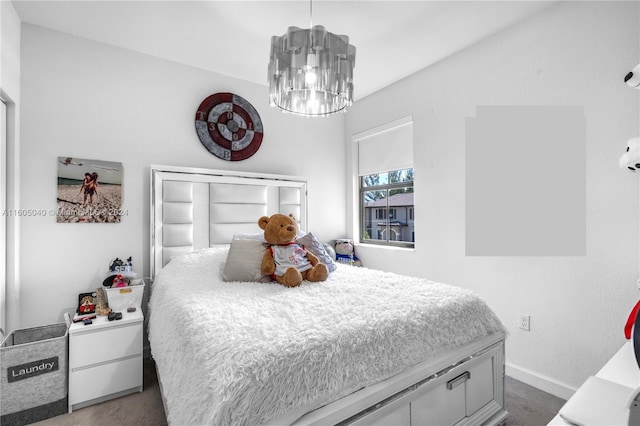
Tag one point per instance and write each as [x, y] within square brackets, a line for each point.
[101, 381]
[105, 345]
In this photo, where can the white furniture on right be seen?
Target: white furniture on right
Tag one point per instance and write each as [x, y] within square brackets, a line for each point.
[622, 369]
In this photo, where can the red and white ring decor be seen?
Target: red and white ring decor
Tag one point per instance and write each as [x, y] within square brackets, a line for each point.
[229, 126]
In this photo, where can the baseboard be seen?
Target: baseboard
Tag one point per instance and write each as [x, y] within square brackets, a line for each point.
[539, 381]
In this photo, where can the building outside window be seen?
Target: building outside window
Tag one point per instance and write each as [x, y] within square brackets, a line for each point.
[394, 192]
[386, 184]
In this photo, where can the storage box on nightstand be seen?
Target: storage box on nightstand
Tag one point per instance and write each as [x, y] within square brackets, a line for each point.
[105, 359]
[119, 299]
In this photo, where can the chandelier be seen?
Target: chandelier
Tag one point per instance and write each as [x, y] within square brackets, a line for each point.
[311, 71]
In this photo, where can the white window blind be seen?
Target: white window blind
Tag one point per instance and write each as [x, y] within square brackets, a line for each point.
[385, 148]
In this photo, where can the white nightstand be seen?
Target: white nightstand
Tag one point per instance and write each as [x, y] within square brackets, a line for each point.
[105, 359]
[622, 369]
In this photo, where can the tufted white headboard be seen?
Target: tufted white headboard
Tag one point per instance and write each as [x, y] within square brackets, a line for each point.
[198, 208]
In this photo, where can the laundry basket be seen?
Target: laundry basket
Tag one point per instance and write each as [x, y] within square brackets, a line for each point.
[34, 374]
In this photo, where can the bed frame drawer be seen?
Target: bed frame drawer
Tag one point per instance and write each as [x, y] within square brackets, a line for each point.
[460, 393]
[396, 416]
[439, 406]
[470, 393]
[479, 389]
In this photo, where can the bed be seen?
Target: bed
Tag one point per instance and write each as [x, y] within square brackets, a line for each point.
[363, 347]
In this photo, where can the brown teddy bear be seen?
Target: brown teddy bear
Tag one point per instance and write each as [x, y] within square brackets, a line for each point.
[286, 261]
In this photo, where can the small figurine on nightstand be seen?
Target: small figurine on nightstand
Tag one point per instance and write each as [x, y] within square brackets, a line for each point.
[120, 273]
[128, 266]
[102, 307]
[86, 305]
[119, 281]
[118, 265]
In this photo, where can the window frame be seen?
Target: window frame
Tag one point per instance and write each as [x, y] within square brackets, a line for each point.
[388, 187]
[366, 161]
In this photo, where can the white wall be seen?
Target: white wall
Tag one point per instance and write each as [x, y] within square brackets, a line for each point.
[9, 49]
[10, 92]
[576, 53]
[89, 100]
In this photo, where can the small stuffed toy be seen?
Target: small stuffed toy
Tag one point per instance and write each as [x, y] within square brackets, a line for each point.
[119, 281]
[345, 253]
[286, 261]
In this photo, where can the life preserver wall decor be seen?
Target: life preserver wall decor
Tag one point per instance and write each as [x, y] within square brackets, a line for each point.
[229, 126]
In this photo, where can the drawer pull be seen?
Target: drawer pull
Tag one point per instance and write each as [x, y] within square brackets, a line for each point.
[458, 380]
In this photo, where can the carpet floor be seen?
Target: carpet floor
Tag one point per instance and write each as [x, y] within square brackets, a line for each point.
[527, 406]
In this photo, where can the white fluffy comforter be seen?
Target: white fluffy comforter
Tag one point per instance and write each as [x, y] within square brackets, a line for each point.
[232, 353]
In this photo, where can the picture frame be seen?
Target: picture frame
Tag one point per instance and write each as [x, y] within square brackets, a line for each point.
[89, 191]
[86, 303]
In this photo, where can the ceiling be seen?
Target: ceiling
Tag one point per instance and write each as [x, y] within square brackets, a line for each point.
[393, 38]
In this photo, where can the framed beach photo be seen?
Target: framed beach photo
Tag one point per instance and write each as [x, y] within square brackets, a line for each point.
[89, 191]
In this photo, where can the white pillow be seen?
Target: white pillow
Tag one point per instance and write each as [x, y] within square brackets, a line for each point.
[311, 243]
[244, 261]
[259, 236]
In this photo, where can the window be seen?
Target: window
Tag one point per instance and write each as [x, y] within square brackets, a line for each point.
[385, 182]
[386, 206]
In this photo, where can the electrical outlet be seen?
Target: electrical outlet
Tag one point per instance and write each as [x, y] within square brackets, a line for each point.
[523, 322]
